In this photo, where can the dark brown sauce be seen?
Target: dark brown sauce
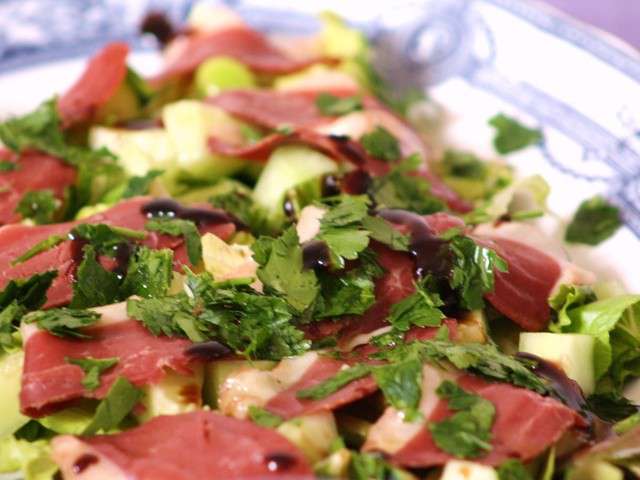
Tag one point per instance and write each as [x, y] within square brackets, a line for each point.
[430, 252]
[211, 350]
[315, 254]
[157, 24]
[352, 151]
[289, 209]
[77, 251]
[278, 462]
[167, 208]
[191, 394]
[84, 462]
[357, 182]
[141, 124]
[330, 186]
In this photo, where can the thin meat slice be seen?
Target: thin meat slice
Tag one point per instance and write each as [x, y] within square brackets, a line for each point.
[33, 171]
[245, 45]
[101, 79]
[191, 446]
[287, 405]
[17, 239]
[49, 382]
[525, 425]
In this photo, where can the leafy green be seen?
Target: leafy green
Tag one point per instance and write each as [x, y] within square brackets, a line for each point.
[139, 86]
[105, 239]
[464, 165]
[335, 383]
[38, 130]
[401, 188]
[180, 228]
[158, 314]
[120, 400]
[566, 298]
[333, 106]
[9, 319]
[473, 270]
[239, 203]
[39, 247]
[92, 368]
[595, 221]
[7, 166]
[264, 418]
[611, 406]
[149, 273]
[381, 144]
[29, 293]
[513, 469]
[351, 293]
[401, 384]
[467, 433]
[372, 466]
[511, 135]
[382, 231]
[38, 205]
[418, 309]
[281, 269]
[94, 284]
[63, 322]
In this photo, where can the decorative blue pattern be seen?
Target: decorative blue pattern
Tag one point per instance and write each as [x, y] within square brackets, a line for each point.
[443, 40]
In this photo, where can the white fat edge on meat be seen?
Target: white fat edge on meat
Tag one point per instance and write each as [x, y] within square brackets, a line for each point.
[228, 261]
[109, 314]
[253, 387]
[356, 124]
[363, 339]
[391, 432]
[534, 237]
[67, 450]
[308, 225]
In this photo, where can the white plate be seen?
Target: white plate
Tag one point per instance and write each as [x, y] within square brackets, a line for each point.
[478, 57]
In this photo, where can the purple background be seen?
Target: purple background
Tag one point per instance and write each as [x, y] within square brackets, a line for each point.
[620, 17]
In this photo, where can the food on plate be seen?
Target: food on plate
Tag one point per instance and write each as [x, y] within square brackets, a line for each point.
[252, 265]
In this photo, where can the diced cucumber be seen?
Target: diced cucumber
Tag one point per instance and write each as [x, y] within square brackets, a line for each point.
[174, 394]
[73, 420]
[472, 328]
[138, 151]
[10, 375]
[189, 123]
[464, 470]
[335, 465]
[312, 434]
[222, 73]
[573, 352]
[217, 372]
[287, 168]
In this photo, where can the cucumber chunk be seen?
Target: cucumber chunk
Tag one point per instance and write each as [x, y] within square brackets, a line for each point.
[222, 73]
[10, 375]
[217, 372]
[573, 352]
[174, 394]
[312, 434]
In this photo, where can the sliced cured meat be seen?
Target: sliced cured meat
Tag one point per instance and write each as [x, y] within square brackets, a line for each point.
[287, 405]
[49, 381]
[522, 293]
[525, 425]
[99, 82]
[17, 239]
[34, 171]
[191, 446]
[245, 45]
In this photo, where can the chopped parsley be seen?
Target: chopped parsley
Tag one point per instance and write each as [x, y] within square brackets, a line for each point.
[381, 144]
[264, 418]
[178, 227]
[464, 165]
[334, 106]
[30, 292]
[9, 319]
[611, 406]
[335, 383]
[351, 293]
[401, 384]
[140, 185]
[105, 239]
[511, 135]
[38, 205]
[382, 231]
[113, 409]
[149, 274]
[513, 469]
[595, 221]
[238, 202]
[92, 368]
[63, 322]
[42, 246]
[7, 166]
[94, 284]
[401, 188]
[467, 433]
[282, 271]
[372, 466]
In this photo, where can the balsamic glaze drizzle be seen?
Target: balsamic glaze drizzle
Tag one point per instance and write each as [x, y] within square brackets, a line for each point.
[167, 208]
[208, 351]
[157, 24]
[84, 462]
[277, 462]
[315, 254]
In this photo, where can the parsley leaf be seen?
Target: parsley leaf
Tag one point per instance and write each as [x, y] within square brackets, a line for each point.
[29, 293]
[382, 231]
[264, 418]
[419, 309]
[595, 221]
[349, 294]
[464, 165]
[511, 135]
[513, 469]
[94, 285]
[38, 205]
[401, 384]
[63, 322]
[158, 314]
[473, 270]
[9, 318]
[400, 189]
[611, 406]
[467, 433]
[177, 227]
[281, 269]
[139, 185]
[368, 466]
[7, 166]
[239, 203]
[333, 106]
[39, 247]
[120, 400]
[335, 383]
[92, 368]
[104, 238]
[150, 273]
[38, 130]
[381, 144]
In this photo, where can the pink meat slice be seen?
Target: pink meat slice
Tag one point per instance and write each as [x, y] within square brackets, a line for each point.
[17, 239]
[99, 82]
[191, 446]
[34, 171]
[245, 45]
[526, 424]
[49, 382]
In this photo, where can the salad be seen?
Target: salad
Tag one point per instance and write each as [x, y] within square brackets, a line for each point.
[255, 264]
